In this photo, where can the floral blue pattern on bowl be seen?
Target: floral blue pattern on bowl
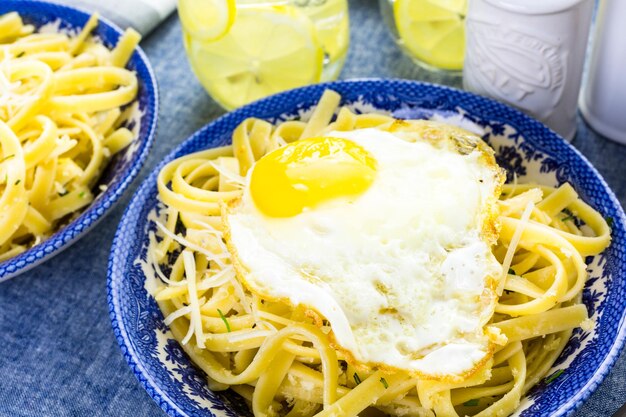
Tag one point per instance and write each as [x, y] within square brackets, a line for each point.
[125, 166]
[523, 146]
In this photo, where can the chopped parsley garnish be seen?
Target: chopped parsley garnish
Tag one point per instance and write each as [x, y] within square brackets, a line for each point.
[357, 380]
[570, 217]
[609, 221]
[384, 382]
[553, 376]
[511, 272]
[17, 182]
[82, 194]
[223, 317]
[21, 54]
[471, 403]
[7, 157]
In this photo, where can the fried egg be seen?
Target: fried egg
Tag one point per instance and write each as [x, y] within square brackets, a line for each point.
[387, 235]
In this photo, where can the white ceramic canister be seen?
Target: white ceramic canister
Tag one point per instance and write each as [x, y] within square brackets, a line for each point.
[603, 99]
[530, 54]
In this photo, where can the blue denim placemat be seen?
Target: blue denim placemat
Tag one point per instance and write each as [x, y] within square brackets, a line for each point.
[58, 355]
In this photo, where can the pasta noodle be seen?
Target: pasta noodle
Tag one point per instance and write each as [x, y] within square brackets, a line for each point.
[282, 362]
[61, 118]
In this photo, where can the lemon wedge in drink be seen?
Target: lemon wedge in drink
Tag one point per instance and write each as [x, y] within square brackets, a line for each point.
[266, 50]
[433, 31]
[207, 19]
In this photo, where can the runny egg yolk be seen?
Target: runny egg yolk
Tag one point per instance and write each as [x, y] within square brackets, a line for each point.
[306, 173]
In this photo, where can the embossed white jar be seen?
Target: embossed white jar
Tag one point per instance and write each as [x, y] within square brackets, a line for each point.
[529, 53]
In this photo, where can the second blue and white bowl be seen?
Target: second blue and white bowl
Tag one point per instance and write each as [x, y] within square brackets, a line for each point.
[125, 166]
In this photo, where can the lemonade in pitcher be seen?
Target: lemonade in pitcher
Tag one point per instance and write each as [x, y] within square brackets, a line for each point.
[243, 50]
[431, 32]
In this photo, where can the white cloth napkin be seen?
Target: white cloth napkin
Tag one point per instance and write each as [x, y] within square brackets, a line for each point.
[142, 15]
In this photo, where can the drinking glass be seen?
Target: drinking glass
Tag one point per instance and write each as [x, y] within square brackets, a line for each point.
[431, 32]
[243, 50]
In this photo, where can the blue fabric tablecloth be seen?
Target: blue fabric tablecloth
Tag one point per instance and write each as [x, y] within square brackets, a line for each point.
[58, 355]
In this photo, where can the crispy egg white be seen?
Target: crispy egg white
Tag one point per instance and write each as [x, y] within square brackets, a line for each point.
[401, 266]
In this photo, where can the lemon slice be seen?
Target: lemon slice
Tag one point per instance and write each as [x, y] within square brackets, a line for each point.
[433, 30]
[207, 20]
[267, 50]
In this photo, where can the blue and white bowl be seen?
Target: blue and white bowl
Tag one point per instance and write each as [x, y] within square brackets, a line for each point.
[523, 146]
[125, 166]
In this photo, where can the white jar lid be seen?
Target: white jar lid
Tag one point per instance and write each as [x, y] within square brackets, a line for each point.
[534, 6]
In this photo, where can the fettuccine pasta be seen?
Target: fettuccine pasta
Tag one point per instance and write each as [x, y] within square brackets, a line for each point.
[282, 361]
[62, 109]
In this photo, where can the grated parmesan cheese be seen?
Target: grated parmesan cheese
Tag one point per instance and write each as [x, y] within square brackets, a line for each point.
[588, 325]
[517, 236]
[196, 320]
